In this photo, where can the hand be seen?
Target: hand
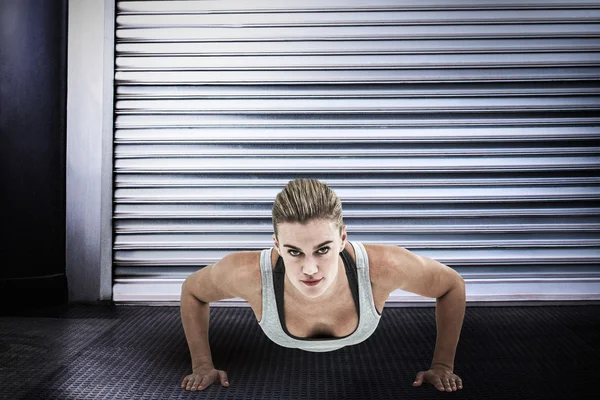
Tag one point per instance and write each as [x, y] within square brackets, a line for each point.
[202, 377]
[441, 377]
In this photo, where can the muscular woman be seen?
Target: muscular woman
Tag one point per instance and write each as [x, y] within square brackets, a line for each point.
[314, 290]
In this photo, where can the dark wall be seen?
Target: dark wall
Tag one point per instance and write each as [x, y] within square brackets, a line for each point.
[33, 72]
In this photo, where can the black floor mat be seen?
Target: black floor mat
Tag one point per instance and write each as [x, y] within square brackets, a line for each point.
[94, 352]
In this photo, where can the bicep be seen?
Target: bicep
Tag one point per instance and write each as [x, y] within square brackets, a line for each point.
[214, 282]
[419, 274]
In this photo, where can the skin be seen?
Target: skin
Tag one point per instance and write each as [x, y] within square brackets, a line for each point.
[311, 251]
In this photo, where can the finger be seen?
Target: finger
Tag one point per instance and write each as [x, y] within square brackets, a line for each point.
[419, 379]
[223, 378]
[190, 383]
[197, 384]
[447, 386]
[439, 385]
[453, 384]
[206, 381]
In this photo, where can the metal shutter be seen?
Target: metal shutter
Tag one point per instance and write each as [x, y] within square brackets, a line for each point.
[464, 131]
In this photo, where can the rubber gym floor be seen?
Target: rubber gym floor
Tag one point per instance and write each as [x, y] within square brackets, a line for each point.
[140, 352]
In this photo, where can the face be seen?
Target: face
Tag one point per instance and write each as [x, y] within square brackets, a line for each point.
[311, 252]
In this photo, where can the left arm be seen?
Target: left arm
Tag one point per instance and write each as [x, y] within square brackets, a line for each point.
[407, 271]
[449, 315]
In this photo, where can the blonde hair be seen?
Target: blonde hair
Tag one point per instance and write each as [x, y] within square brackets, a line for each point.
[303, 200]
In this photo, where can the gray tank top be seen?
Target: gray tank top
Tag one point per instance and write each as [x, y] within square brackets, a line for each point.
[368, 317]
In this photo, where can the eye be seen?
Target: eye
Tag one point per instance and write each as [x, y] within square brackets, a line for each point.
[323, 250]
[294, 253]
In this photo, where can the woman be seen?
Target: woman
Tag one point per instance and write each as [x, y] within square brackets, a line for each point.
[316, 291]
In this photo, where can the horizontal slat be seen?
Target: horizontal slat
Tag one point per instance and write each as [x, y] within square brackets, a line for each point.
[190, 150]
[405, 32]
[534, 271]
[340, 5]
[194, 181]
[352, 123]
[373, 195]
[357, 91]
[507, 291]
[464, 256]
[366, 47]
[357, 18]
[241, 243]
[392, 226]
[358, 165]
[353, 62]
[218, 210]
[342, 106]
[466, 74]
[423, 134]
[469, 236]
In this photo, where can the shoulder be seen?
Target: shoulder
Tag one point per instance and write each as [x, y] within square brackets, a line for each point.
[242, 258]
[383, 254]
[244, 267]
[388, 261]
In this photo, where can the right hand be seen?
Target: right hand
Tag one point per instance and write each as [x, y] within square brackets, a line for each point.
[204, 376]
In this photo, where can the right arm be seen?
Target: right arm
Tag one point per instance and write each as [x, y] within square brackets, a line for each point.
[195, 318]
[212, 283]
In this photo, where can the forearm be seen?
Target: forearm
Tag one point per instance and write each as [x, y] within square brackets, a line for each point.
[450, 312]
[195, 317]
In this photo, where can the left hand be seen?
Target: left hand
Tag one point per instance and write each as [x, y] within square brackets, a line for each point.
[441, 377]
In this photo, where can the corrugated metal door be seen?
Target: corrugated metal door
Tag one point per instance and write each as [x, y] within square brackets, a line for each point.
[465, 131]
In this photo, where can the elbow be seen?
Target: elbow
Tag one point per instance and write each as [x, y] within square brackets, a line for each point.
[459, 282]
[460, 288]
[184, 286]
[457, 287]
[457, 279]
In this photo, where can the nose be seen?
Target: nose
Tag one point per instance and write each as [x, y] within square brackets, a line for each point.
[310, 268]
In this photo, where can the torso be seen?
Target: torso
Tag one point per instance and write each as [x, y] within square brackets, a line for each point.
[334, 320]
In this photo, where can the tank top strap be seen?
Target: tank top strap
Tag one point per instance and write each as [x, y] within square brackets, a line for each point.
[268, 293]
[362, 259]
[265, 259]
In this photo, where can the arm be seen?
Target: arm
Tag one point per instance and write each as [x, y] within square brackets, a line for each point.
[195, 318]
[426, 277]
[212, 283]
[449, 312]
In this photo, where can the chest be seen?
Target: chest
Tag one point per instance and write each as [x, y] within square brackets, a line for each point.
[334, 320]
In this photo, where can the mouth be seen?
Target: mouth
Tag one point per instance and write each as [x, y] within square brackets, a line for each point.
[313, 282]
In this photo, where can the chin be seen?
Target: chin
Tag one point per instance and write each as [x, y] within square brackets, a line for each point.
[313, 296]
[313, 293]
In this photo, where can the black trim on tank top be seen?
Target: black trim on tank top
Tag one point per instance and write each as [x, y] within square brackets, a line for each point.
[278, 282]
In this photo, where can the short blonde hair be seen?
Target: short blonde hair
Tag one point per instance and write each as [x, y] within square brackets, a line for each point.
[304, 200]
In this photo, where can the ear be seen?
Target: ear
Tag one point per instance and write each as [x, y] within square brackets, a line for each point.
[344, 237]
[276, 243]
